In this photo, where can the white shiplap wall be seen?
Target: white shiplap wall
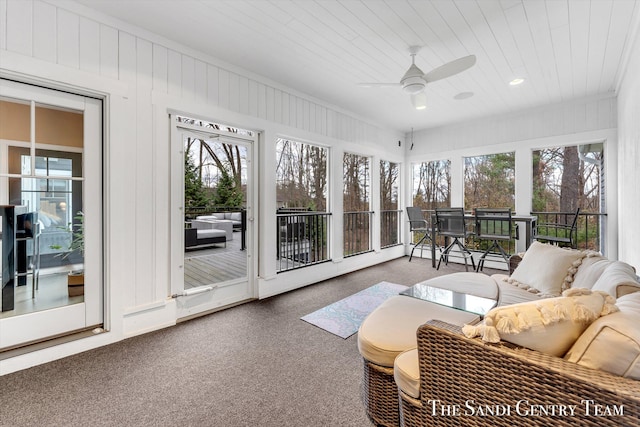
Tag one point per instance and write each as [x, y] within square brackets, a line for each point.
[568, 118]
[67, 45]
[629, 163]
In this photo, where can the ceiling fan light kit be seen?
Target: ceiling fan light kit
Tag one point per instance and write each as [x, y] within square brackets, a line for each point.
[419, 100]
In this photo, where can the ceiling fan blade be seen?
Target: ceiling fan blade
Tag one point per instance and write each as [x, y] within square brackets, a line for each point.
[450, 68]
[376, 84]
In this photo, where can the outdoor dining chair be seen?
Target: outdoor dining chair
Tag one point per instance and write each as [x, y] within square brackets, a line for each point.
[451, 224]
[418, 224]
[559, 233]
[494, 226]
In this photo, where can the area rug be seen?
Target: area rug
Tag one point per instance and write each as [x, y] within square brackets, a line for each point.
[343, 318]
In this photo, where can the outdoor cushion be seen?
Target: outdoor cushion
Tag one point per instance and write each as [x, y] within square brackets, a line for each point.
[509, 294]
[235, 216]
[391, 328]
[549, 325]
[212, 232]
[406, 372]
[619, 331]
[618, 279]
[590, 270]
[476, 284]
[546, 269]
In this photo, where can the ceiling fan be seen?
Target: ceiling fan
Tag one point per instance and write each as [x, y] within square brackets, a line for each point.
[415, 80]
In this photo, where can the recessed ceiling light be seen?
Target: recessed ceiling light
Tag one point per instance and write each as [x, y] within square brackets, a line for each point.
[463, 95]
[516, 81]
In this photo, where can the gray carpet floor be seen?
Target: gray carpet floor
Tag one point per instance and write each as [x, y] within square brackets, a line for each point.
[256, 364]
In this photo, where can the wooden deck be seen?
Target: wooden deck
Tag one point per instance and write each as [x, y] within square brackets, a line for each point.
[215, 264]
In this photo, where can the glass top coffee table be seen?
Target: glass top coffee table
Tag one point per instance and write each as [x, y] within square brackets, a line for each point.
[448, 298]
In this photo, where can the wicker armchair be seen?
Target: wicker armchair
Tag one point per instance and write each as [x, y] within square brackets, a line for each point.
[455, 370]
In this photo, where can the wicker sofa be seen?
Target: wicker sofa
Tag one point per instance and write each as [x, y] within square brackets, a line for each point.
[442, 365]
[516, 383]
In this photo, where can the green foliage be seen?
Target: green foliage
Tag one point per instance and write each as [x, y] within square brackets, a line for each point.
[490, 181]
[227, 193]
[77, 237]
[195, 193]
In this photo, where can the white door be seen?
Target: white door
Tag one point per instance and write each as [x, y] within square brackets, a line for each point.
[212, 215]
[51, 167]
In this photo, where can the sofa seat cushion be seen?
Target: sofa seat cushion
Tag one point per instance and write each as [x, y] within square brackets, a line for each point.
[391, 328]
[476, 284]
[612, 343]
[549, 325]
[406, 372]
[547, 269]
[204, 233]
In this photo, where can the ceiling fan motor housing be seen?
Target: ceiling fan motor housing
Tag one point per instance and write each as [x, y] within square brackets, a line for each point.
[413, 85]
[413, 81]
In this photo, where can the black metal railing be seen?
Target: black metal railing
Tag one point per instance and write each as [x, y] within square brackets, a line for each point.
[302, 239]
[589, 228]
[357, 233]
[390, 228]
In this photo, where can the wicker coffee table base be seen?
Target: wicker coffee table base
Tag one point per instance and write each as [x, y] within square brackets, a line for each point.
[380, 395]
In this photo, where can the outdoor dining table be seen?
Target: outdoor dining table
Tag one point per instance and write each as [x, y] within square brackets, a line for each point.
[528, 220]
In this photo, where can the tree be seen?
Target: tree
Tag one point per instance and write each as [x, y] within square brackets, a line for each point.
[571, 186]
[227, 192]
[388, 186]
[433, 186]
[490, 181]
[301, 173]
[195, 193]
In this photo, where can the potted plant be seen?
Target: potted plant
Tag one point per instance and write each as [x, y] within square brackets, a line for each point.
[75, 278]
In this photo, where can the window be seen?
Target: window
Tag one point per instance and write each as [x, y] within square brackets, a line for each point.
[357, 215]
[565, 179]
[301, 173]
[432, 184]
[489, 181]
[301, 191]
[389, 213]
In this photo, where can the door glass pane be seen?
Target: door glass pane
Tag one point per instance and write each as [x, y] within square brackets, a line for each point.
[215, 189]
[49, 247]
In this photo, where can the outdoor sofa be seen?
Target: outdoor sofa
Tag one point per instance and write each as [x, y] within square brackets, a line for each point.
[234, 217]
[204, 232]
[420, 369]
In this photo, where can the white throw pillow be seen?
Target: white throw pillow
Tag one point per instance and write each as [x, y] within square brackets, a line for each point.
[550, 325]
[618, 279]
[612, 343]
[546, 269]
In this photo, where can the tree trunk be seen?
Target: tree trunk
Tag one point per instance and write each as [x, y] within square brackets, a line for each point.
[570, 189]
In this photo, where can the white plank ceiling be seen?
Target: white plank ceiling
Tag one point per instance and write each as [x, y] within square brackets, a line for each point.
[564, 49]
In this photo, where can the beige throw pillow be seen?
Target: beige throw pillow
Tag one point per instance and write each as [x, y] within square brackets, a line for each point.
[546, 269]
[612, 343]
[550, 325]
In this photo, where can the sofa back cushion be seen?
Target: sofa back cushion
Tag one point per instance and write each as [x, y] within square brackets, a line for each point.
[618, 279]
[546, 269]
[612, 343]
[590, 270]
